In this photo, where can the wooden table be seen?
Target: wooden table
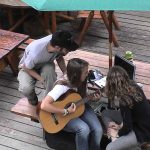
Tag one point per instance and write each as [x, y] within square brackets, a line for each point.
[9, 42]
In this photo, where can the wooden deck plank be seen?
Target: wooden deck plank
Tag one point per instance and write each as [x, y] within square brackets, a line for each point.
[24, 137]
[6, 147]
[17, 118]
[9, 123]
[18, 144]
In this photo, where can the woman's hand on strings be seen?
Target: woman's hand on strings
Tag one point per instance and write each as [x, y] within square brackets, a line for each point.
[71, 108]
[96, 96]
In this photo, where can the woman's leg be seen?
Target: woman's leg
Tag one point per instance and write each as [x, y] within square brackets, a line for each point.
[81, 129]
[95, 127]
[126, 142]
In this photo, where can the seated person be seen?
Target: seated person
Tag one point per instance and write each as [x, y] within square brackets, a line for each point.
[134, 108]
[87, 125]
[37, 62]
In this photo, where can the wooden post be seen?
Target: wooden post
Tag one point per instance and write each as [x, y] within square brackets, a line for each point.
[106, 22]
[85, 27]
[110, 37]
[53, 21]
[46, 22]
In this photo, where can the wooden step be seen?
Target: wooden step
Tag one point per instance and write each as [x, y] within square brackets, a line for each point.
[24, 108]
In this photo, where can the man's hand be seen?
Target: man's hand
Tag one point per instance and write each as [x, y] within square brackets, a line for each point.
[43, 82]
[33, 73]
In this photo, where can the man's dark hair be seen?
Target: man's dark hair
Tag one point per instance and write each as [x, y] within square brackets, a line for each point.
[64, 39]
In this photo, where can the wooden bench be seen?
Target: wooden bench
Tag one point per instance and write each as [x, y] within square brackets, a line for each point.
[24, 108]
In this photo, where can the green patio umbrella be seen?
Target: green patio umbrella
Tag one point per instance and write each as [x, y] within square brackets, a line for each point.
[75, 5]
[70, 5]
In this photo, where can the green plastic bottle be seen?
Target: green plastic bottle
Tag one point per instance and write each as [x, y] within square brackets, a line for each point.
[129, 56]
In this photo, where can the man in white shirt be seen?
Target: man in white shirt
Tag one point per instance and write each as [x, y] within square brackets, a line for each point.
[37, 62]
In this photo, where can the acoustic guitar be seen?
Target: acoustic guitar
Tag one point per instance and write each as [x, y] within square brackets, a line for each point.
[53, 122]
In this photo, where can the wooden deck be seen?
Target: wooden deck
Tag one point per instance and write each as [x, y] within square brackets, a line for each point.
[20, 133]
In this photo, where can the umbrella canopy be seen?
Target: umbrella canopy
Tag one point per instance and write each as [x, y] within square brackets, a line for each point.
[66, 5]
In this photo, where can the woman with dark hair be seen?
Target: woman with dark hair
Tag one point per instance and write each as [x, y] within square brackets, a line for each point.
[85, 126]
[135, 111]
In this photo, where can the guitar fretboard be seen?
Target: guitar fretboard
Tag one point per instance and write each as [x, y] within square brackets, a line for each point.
[81, 101]
[86, 99]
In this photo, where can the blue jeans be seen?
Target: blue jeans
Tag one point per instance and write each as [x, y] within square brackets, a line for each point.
[84, 127]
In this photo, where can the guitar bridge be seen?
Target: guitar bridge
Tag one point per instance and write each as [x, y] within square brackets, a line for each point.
[54, 118]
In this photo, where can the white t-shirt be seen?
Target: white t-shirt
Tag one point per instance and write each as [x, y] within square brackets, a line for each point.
[57, 91]
[36, 54]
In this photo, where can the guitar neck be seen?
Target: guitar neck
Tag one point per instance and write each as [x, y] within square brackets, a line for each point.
[86, 99]
[81, 101]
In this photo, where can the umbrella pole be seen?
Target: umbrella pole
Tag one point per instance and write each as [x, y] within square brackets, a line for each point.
[110, 14]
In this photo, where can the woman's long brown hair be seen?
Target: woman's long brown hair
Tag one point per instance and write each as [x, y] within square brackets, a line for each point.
[75, 67]
[118, 84]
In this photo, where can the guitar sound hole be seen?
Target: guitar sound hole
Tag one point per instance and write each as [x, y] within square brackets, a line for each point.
[68, 105]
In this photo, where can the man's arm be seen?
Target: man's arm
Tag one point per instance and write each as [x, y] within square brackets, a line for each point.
[61, 64]
[34, 74]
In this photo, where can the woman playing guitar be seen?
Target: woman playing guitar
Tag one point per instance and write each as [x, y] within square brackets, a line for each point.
[87, 124]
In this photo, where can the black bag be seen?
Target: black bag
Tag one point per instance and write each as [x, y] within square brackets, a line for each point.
[61, 141]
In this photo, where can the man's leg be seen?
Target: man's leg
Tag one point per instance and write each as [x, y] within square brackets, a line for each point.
[27, 86]
[49, 75]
